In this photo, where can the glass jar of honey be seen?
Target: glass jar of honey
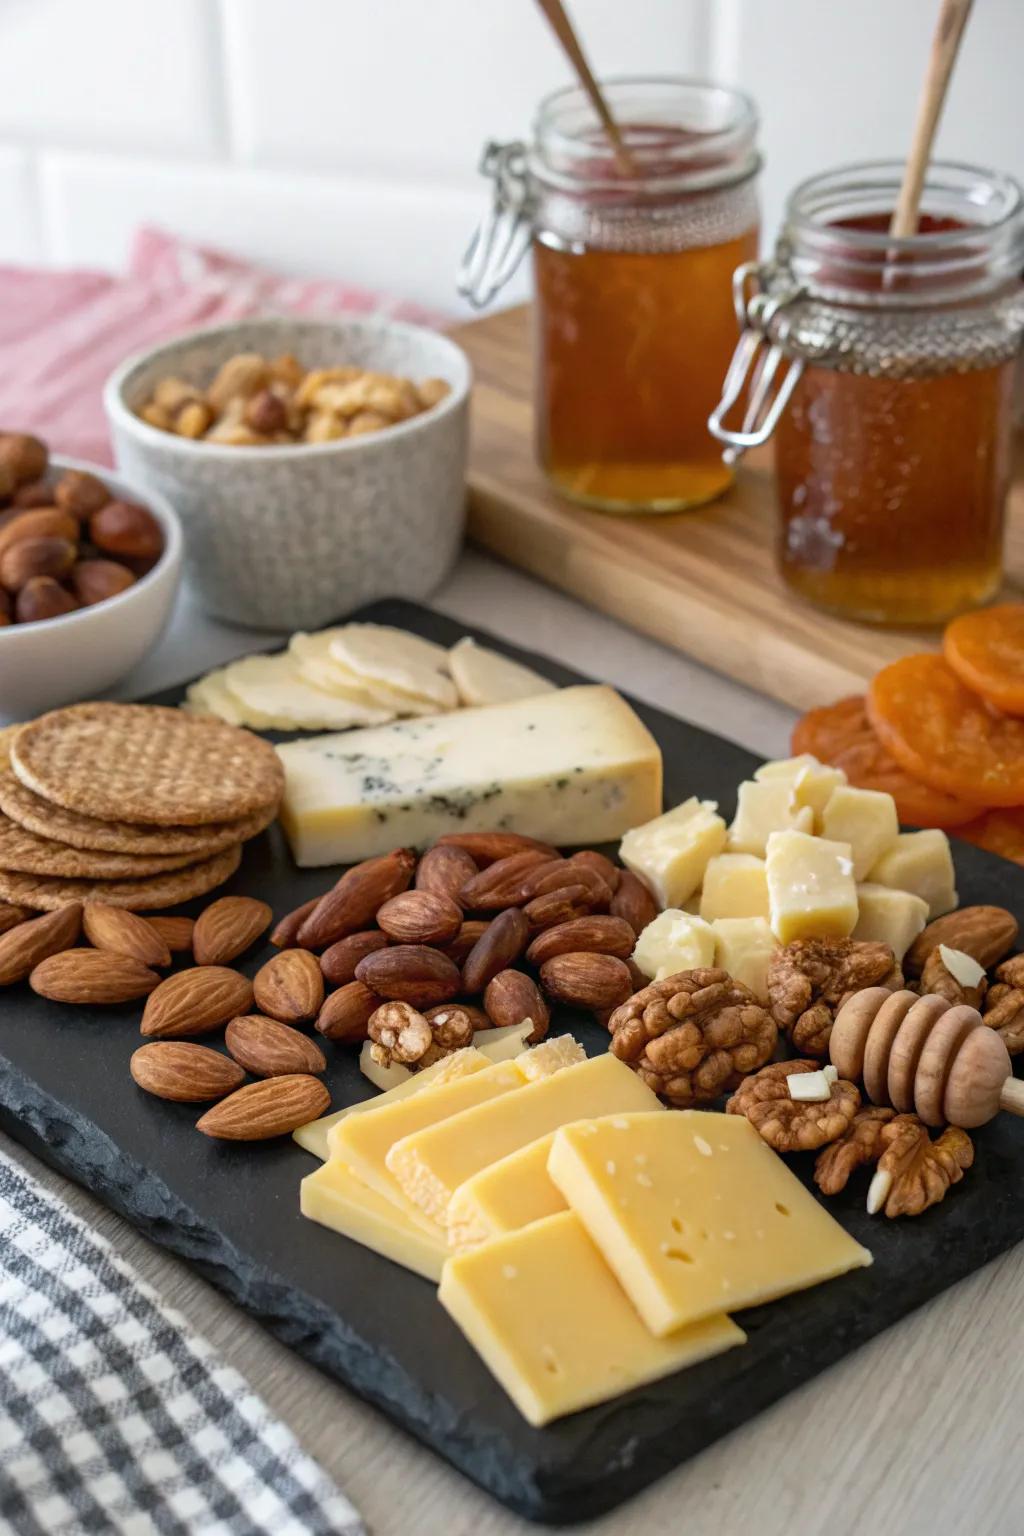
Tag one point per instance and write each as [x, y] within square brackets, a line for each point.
[885, 368]
[633, 263]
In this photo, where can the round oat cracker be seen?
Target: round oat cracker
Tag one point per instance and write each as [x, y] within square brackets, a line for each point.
[146, 763]
[152, 894]
[30, 854]
[37, 815]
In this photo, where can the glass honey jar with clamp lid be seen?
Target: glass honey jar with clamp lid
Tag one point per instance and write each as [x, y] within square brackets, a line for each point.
[633, 318]
[884, 369]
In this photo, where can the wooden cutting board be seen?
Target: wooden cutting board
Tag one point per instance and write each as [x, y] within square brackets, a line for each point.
[703, 582]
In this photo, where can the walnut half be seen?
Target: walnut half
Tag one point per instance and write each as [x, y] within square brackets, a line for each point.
[1004, 1005]
[791, 1125]
[810, 979]
[915, 1172]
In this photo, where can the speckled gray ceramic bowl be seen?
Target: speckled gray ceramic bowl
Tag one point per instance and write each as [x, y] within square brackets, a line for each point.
[290, 537]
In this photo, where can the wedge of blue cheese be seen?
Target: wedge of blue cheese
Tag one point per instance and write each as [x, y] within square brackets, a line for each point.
[571, 767]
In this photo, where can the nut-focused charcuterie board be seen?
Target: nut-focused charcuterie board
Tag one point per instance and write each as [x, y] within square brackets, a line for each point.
[233, 1211]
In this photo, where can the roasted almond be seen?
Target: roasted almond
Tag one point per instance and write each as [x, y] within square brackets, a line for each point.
[477, 1017]
[987, 934]
[24, 946]
[267, 1048]
[501, 884]
[512, 997]
[175, 1069]
[196, 1001]
[445, 870]
[594, 934]
[176, 932]
[228, 927]
[564, 873]
[290, 987]
[420, 917]
[586, 980]
[633, 901]
[411, 973]
[11, 915]
[458, 948]
[92, 976]
[558, 906]
[488, 847]
[124, 933]
[286, 932]
[339, 961]
[347, 1012]
[500, 944]
[600, 864]
[354, 901]
[270, 1108]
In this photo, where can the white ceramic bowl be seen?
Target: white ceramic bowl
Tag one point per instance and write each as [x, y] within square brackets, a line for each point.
[291, 537]
[83, 653]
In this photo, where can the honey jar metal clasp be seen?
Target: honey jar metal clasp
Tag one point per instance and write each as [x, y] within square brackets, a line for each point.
[754, 367]
[502, 237]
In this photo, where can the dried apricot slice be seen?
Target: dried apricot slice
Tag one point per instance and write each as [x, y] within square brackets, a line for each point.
[1000, 832]
[841, 734]
[986, 651]
[945, 735]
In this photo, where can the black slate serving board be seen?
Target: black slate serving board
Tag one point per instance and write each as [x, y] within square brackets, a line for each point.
[233, 1212]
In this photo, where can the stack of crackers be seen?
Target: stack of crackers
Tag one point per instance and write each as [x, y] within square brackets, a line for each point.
[131, 804]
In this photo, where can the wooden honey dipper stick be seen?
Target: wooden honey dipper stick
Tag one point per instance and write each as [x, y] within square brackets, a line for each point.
[925, 1055]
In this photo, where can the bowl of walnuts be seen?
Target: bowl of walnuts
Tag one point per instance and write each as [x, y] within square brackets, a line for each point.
[315, 464]
[89, 569]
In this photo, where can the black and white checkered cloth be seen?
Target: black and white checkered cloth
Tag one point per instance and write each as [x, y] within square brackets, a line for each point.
[115, 1417]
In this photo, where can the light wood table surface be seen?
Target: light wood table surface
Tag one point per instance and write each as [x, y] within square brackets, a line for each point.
[915, 1435]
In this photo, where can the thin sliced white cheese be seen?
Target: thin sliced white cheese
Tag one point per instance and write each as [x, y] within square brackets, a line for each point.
[272, 686]
[398, 659]
[211, 696]
[485, 677]
[317, 663]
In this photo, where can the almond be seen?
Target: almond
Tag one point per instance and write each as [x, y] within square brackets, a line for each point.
[987, 934]
[270, 1108]
[196, 1001]
[267, 1048]
[593, 934]
[558, 906]
[176, 932]
[286, 932]
[501, 943]
[127, 529]
[354, 901]
[586, 980]
[339, 962]
[420, 917]
[174, 1069]
[445, 870]
[458, 948]
[290, 987]
[600, 864]
[92, 976]
[347, 1012]
[501, 884]
[228, 927]
[512, 997]
[124, 933]
[11, 916]
[488, 847]
[27, 944]
[411, 973]
[600, 892]
[634, 902]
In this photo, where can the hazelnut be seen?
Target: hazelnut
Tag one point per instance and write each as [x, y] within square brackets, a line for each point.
[25, 456]
[96, 580]
[266, 413]
[40, 556]
[42, 598]
[80, 493]
[34, 493]
[125, 528]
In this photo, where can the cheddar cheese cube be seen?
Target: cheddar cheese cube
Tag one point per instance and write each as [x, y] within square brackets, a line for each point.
[735, 885]
[670, 853]
[674, 941]
[744, 947]
[811, 890]
[920, 862]
[813, 782]
[864, 818]
[763, 807]
[889, 916]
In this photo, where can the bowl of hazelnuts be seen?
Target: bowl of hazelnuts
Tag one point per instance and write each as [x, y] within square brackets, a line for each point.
[89, 568]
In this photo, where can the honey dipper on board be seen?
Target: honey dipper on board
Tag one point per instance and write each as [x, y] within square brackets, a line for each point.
[925, 1055]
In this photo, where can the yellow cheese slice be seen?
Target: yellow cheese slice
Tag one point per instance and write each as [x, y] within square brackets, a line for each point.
[503, 1197]
[432, 1160]
[549, 1320]
[335, 1198]
[695, 1213]
[315, 1136]
[364, 1141]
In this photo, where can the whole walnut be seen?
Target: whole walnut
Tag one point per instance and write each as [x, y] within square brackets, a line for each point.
[1004, 1005]
[794, 1125]
[693, 1036]
[810, 979]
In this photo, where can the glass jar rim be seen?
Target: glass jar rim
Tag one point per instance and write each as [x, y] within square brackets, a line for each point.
[566, 129]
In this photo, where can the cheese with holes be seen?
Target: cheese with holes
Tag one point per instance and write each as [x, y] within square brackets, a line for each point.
[764, 806]
[696, 1214]
[744, 947]
[574, 766]
[864, 818]
[812, 782]
[891, 917]
[315, 1136]
[674, 941]
[432, 1161]
[507, 1195]
[551, 1323]
[735, 885]
[920, 862]
[811, 890]
[335, 1198]
[670, 853]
